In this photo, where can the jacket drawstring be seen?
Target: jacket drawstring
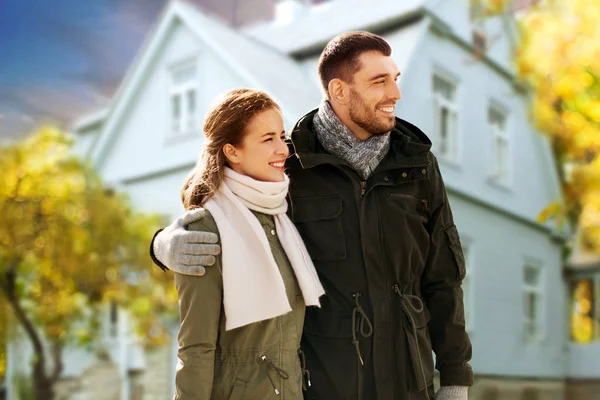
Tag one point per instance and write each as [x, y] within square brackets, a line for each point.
[305, 372]
[405, 303]
[270, 366]
[364, 320]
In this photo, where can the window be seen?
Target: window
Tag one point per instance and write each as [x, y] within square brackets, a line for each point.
[445, 115]
[500, 149]
[533, 301]
[585, 318]
[467, 284]
[183, 107]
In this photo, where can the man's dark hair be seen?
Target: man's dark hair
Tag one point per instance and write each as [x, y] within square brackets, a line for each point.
[340, 58]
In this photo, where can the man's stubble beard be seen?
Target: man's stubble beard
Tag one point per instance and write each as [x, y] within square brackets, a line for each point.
[366, 118]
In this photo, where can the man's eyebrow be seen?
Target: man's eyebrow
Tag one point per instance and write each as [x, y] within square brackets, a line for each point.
[379, 76]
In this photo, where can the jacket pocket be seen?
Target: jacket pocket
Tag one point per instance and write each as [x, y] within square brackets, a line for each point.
[411, 204]
[319, 222]
[453, 240]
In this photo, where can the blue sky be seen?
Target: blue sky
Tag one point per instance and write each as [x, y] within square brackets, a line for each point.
[62, 58]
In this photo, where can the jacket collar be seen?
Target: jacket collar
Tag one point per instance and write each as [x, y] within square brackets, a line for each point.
[409, 146]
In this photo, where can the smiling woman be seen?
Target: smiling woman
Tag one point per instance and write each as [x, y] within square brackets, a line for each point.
[241, 323]
[263, 151]
[244, 131]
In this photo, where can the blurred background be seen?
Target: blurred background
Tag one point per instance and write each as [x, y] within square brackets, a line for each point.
[101, 109]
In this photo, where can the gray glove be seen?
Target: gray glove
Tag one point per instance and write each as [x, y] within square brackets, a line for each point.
[186, 252]
[452, 393]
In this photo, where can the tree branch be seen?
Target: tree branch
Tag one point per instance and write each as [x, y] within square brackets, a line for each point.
[57, 349]
[9, 290]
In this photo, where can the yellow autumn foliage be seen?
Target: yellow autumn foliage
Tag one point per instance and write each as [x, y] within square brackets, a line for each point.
[3, 334]
[69, 243]
[559, 57]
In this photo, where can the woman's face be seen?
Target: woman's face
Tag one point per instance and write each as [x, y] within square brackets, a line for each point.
[263, 152]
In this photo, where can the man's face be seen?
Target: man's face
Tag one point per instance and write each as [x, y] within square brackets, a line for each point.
[374, 92]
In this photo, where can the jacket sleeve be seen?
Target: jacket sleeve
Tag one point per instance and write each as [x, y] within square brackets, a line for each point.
[200, 300]
[155, 260]
[442, 292]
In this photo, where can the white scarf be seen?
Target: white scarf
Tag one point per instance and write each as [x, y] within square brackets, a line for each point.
[253, 289]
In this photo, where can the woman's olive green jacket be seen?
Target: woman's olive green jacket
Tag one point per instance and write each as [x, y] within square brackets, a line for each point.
[257, 361]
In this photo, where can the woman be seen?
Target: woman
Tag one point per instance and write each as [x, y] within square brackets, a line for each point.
[241, 323]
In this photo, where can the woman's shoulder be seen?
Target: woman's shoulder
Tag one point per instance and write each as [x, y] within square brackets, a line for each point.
[205, 223]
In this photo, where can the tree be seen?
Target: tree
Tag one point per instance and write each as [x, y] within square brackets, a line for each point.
[68, 244]
[3, 336]
[559, 57]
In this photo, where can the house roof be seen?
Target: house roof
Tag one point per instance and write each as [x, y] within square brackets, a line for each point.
[274, 72]
[258, 65]
[89, 119]
[317, 25]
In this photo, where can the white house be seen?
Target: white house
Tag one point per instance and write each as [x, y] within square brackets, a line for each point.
[458, 86]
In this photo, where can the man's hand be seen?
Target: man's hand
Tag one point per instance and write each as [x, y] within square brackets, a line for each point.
[452, 393]
[186, 252]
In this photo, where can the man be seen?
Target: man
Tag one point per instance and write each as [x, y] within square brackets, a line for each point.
[368, 198]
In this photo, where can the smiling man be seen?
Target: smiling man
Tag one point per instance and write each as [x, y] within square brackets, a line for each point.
[368, 199]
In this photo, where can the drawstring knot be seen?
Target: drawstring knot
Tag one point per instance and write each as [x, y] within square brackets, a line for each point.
[407, 303]
[270, 366]
[366, 328]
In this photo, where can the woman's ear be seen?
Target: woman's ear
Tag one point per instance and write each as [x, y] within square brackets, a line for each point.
[231, 154]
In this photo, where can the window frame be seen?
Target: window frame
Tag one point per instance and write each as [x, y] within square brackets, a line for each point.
[540, 291]
[189, 123]
[594, 276]
[439, 102]
[496, 133]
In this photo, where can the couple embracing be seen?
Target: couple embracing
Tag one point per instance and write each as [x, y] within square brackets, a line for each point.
[323, 266]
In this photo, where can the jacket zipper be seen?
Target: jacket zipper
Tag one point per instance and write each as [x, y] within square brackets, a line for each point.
[363, 192]
[359, 205]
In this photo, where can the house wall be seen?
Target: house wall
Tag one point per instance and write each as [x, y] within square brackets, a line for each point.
[143, 142]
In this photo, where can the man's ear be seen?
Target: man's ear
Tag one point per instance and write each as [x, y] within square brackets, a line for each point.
[338, 91]
[231, 153]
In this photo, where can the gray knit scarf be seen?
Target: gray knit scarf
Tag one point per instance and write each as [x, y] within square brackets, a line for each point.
[337, 139]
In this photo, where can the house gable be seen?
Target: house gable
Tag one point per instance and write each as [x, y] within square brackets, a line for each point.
[135, 138]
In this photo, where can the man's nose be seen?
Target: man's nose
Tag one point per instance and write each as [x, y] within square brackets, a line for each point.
[394, 91]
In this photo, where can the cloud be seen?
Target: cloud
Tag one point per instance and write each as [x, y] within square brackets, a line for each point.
[93, 47]
[25, 107]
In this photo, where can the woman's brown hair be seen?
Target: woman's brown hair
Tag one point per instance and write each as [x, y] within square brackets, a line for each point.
[225, 123]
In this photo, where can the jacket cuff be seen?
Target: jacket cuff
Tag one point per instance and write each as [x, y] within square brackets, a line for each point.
[456, 375]
[153, 257]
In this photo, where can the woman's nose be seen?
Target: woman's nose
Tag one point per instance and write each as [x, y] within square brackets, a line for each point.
[282, 148]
